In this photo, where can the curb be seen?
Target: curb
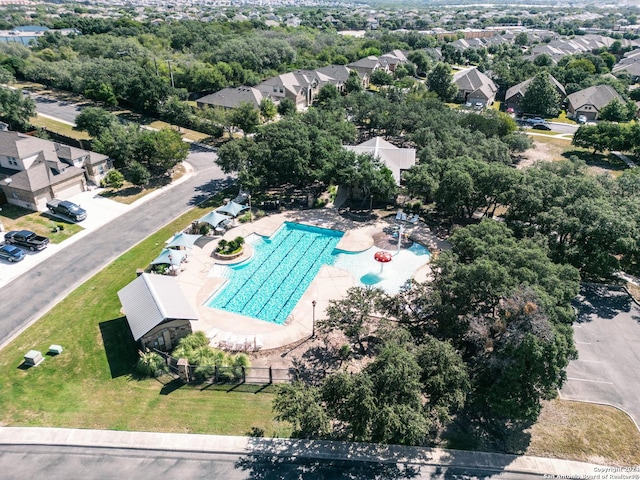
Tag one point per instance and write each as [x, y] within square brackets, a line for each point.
[311, 449]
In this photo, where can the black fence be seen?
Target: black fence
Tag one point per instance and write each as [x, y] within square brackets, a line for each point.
[236, 375]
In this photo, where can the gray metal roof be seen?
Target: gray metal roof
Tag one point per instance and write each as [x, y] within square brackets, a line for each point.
[232, 97]
[394, 158]
[150, 300]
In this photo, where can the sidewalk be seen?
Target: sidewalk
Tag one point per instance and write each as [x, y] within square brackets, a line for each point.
[101, 211]
[311, 449]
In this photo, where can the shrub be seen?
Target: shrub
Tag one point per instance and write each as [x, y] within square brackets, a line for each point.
[259, 214]
[113, 179]
[194, 340]
[205, 228]
[245, 218]
[150, 364]
[320, 202]
[138, 174]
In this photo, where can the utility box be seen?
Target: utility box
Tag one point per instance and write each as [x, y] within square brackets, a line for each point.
[55, 350]
[33, 358]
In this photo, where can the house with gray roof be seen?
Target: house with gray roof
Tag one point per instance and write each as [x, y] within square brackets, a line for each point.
[393, 59]
[474, 86]
[33, 170]
[300, 86]
[366, 66]
[394, 158]
[157, 311]
[514, 94]
[590, 101]
[232, 97]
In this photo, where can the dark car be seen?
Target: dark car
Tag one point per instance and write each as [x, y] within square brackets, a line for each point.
[541, 126]
[11, 253]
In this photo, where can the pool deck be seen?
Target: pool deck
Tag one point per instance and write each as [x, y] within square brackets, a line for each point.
[232, 331]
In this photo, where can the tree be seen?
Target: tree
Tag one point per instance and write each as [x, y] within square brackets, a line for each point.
[541, 97]
[160, 150]
[615, 111]
[245, 117]
[328, 96]
[268, 109]
[440, 81]
[521, 39]
[94, 120]
[421, 60]
[353, 83]
[379, 77]
[138, 174]
[16, 109]
[287, 107]
[300, 405]
[113, 179]
[102, 92]
[543, 60]
[352, 314]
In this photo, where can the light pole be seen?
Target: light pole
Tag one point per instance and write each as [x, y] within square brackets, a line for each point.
[250, 212]
[313, 319]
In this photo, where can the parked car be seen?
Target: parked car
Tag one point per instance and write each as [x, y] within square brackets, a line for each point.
[11, 253]
[26, 238]
[541, 126]
[68, 209]
[536, 120]
[582, 119]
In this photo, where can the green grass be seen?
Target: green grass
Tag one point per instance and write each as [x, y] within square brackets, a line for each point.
[90, 385]
[42, 223]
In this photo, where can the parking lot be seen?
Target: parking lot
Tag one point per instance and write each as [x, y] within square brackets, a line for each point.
[607, 336]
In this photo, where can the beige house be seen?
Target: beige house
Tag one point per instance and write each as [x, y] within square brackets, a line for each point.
[33, 170]
[590, 101]
[157, 311]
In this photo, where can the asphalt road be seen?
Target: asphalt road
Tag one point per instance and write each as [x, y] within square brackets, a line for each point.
[607, 336]
[55, 462]
[27, 297]
[62, 110]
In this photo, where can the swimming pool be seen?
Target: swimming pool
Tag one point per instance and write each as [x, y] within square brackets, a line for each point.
[282, 267]
[272, 282]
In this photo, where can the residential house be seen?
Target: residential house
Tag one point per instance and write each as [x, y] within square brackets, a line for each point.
[393, 59]
[335, 74]
[157, 311]
[300, 86]
[630, 65]
[394, 158]
[33, 170]
[514, 94]
[232, 97]
[366, 66]
[590, 101]
[474, 86]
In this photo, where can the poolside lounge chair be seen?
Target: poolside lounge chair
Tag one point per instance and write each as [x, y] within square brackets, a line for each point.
[414, 219]
[399, 215]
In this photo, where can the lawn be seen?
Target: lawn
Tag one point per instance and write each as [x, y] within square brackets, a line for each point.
[90, 385]
[129, 193]
[186, 133]
[585, 432]
[42, 223]
[59, 127]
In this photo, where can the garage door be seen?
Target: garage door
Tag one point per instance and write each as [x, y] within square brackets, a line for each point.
[41, 202]
[69, 191]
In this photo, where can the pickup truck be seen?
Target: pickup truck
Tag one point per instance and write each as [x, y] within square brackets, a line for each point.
[68, 209]
[27, 239]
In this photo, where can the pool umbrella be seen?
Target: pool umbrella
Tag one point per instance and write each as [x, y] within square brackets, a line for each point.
[183, 240]
[213, 218]
[169, 257]
[382, 257]
[232, 208]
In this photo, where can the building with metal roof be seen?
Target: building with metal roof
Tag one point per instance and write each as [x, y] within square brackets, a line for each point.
[157, 311]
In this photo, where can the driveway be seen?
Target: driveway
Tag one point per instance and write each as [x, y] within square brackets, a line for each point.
[25, 298]
[607, 335]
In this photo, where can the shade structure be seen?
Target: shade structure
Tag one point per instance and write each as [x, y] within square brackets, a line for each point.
[169, 257]
[214, 218]
[183, 240]
[232, 208]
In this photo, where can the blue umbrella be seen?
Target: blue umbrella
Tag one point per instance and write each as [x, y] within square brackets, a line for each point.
[232, 208]
[169, 257]
[213, 218]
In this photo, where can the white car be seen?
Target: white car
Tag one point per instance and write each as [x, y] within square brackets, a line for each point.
[582, 119]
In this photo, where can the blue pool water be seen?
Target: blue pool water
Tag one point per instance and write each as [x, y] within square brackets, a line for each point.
[271, 283]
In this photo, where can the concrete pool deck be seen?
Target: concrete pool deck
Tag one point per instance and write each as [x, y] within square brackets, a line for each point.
[198, 281]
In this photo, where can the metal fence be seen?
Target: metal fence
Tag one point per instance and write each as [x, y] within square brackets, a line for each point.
[214, 375]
